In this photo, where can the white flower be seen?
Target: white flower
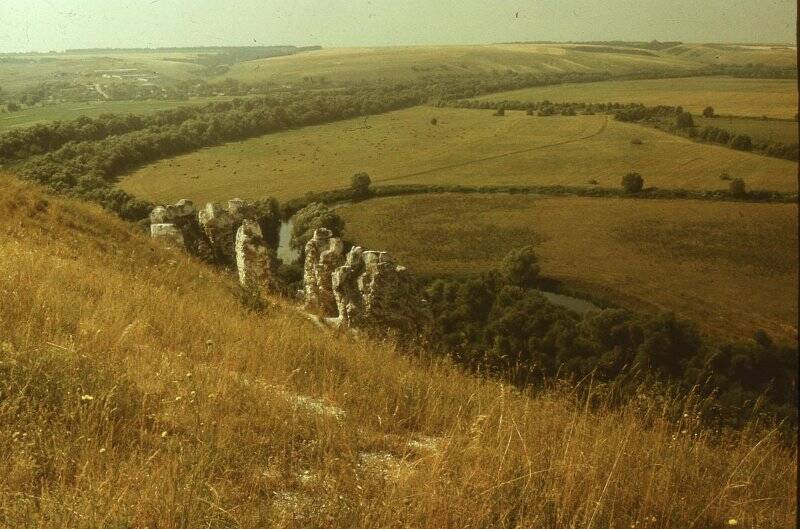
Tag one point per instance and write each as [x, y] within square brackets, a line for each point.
[87, 397]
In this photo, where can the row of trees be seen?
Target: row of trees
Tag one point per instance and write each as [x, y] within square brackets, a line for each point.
[674, 119]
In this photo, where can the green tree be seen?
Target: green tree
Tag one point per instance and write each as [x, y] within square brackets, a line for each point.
[684, 120]
[742, 142]
[632, 182]
[360, 183]
[315, 215]
[708, 112]
[737, 188]
[520, 267]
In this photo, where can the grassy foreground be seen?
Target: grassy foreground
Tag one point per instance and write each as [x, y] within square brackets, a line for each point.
[730, 267]
[469, 147]
[728, 95]
[135, 391]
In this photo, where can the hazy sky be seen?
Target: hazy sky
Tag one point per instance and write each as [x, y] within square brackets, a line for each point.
[58, 24]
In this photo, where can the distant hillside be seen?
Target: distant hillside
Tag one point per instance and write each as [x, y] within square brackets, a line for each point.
[136, 390]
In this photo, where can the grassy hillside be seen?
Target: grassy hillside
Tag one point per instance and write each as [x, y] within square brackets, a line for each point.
[346, 64]
[466, 147]
[136, 391]
[728, 95]
[699, 259]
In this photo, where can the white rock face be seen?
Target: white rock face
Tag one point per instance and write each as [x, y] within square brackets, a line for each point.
[371, 290]
[365, 289]
[324, 253]
[220, 223]
[253, 258]
[168, 234]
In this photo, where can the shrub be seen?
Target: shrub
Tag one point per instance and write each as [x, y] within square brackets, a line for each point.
[708, 112]
[742, 142]
[684, 121]
[636, 141]
[632, 182]
[737, 188]
[360, 183]
[520, 267]
[315, 215]
[434, 121]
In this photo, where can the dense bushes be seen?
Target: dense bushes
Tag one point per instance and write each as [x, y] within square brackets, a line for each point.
[491, 325]
[632, 182]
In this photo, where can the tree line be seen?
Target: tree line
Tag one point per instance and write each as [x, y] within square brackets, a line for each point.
[673, 119]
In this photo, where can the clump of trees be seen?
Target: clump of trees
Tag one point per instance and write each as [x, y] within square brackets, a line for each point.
[520, 267]
[632, 182]
[494, 324]
[314, 216]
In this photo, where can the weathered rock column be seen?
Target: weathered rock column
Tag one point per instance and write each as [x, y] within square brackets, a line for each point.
[176, 225]
[324, 254]
[220, 224]
[372, 291]
[253, 258]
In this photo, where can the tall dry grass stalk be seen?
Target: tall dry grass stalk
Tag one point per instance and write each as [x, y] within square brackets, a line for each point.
[135, 391]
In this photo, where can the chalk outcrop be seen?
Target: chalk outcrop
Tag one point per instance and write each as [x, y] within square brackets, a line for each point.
[324, 254]
[229, 235]
[254, 259]
[362, 290]
[220, 224]
[176, 225]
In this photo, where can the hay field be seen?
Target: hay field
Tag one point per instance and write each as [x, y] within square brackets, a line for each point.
[469, 147]
[730, 267]
[729, 96]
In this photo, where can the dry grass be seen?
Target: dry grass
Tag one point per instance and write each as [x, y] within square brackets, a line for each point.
[731, 267]
[468, 147]
[136, 392]
[728, 95]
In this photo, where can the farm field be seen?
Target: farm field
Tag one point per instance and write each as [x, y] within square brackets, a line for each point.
[730, 267]
[67, 111]
[469, 147]
[758, 129]
[729, 96]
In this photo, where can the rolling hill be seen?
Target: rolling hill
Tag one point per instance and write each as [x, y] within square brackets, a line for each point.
[136, 390]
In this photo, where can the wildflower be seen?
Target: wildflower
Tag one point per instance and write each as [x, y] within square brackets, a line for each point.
[87, 397]
[733, 521]
[102, 450]
[178, 398]
[163, 434]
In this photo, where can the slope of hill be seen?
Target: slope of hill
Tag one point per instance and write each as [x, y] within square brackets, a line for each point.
[135, 390]
[469, 147]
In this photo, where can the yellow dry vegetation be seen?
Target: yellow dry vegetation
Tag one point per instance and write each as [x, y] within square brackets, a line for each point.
[729, 267]
[470, 147]
[136, 391]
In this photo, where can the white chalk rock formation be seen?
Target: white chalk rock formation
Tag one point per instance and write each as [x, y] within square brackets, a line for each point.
[220, 224]
[254, 261]
[168, 234]
[364, 290]
[372, 291]
[324, 254]
[176, 225]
